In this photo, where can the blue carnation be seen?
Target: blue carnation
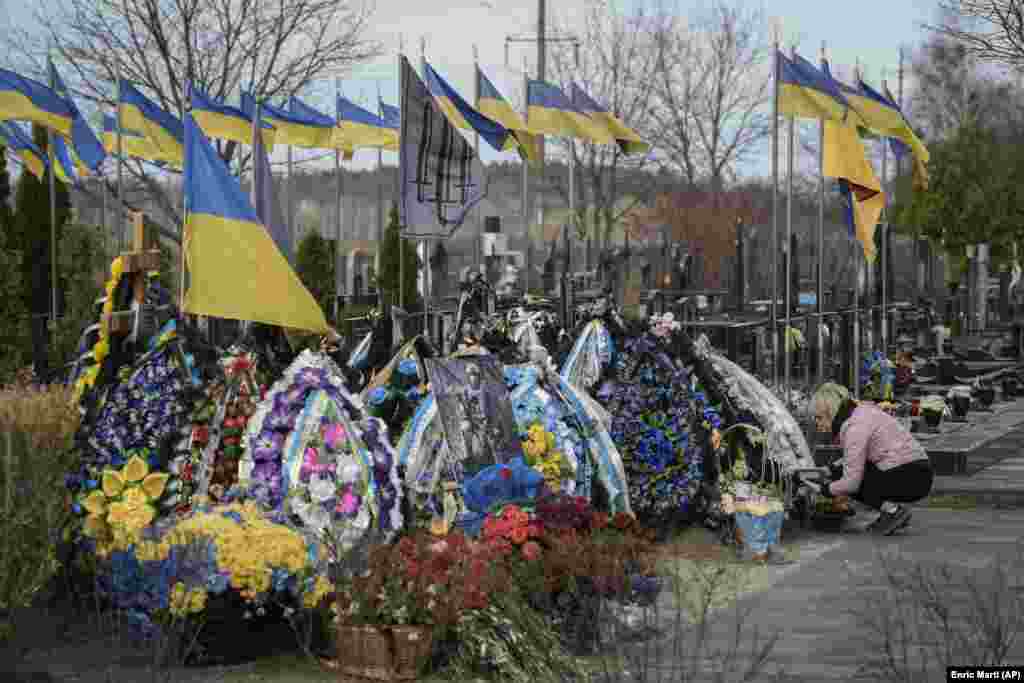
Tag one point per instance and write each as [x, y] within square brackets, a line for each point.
[378, 396]
[408, 368]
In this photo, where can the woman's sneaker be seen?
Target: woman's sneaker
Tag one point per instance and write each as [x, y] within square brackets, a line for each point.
[890, 522]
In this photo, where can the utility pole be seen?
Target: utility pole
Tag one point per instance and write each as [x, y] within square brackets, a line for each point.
[542, 39]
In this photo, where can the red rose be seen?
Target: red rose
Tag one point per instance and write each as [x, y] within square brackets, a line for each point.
[520, 535]
[200, 434]
[531, 550]
[506, 473]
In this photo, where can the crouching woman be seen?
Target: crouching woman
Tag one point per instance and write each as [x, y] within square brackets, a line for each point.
[883, 465]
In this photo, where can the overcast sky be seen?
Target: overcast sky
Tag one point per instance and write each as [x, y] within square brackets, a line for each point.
[870, 31]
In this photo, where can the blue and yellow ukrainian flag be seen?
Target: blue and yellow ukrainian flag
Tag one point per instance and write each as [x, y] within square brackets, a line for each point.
[22, 99]
[315, 117]
[133, 142]
[65, 165]
[461, 114]
[22, 146]
[491, 104]
[899, 148]
[550, 112]
[86, 150]
[162, 130]
[236, 271]
[291, 129]
[391, 115]
[806, 92]
[224, 121]
[362, 128]
[628, 139]
[844, 158]
[882, 115]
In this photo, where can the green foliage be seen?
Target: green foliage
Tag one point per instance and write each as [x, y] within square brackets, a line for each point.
[30, 232]
[314, 263]
[974, 193]
[14, 333]
[83, 267]
[36, 434]
[391, 266]
[5, 196]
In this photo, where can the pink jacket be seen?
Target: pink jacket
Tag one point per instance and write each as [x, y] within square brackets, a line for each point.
[872, 435]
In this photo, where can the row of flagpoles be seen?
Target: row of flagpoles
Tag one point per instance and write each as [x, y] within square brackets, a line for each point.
[845, 113]
[143, 130]
[437, 187]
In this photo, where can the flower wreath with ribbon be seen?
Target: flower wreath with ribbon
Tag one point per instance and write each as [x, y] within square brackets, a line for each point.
[101, 349]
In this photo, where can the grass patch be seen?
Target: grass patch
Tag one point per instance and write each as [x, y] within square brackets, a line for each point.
[954, 502]
[293, 668]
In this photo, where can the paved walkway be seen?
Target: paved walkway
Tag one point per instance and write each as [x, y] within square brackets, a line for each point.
[821, 608]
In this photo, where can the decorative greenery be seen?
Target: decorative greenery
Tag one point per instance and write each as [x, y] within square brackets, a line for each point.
[36, 433]
[390, 266]
[314, 264]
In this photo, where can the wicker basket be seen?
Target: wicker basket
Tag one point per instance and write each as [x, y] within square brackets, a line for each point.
[413, 646]
[364, 653]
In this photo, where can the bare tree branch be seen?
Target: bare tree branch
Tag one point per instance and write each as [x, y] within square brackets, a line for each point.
[274, 49]
[989, 30]
[617, 56]
[711, 92]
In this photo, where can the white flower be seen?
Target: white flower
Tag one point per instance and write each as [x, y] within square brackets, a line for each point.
[349, 472]
[288, 611]
[321, 489]
[317, 518]
[245, 467]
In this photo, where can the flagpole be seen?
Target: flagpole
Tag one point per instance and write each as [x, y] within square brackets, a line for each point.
[885, 234]
[103, 195]
[791, 134]
[526, 175]
[427, 289]
[337, 204]
[398, 187]
[819, 295]
[120, 163]
[858, 260]
[53, 222]
[381, 222]
[476, 150]
[775, 211]
[184, 220]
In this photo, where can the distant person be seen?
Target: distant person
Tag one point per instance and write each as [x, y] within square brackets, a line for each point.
[883, 465]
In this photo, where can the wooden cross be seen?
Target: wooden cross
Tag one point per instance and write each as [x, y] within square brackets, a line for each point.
[143, 257]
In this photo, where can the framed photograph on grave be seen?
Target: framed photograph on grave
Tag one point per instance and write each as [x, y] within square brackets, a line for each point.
[475, 410]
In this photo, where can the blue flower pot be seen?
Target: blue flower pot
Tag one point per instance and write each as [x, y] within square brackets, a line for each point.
[758, 532]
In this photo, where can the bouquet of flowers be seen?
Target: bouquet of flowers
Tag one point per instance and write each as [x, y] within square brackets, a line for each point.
[543, 456]
[182, 567]
[657, 424]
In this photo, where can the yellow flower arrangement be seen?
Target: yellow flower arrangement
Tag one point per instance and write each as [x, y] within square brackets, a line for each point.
[101, 349]
[123, 505]
[541, 455]
[184, 601]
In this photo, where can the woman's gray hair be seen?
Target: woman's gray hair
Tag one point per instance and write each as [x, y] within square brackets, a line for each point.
[831, 396]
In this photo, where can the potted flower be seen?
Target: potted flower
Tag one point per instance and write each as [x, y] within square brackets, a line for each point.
[932, 409]
[959, 398]
[756, 505]
[986, 395]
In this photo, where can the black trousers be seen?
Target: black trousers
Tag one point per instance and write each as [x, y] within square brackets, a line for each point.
[903, 484]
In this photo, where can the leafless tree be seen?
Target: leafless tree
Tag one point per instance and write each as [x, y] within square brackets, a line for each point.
[988, 30]
[274, 49]
[616, 59]
[711, 92]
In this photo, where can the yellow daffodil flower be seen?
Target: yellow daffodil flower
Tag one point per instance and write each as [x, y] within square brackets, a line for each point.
[113, 483]
[135, 470]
